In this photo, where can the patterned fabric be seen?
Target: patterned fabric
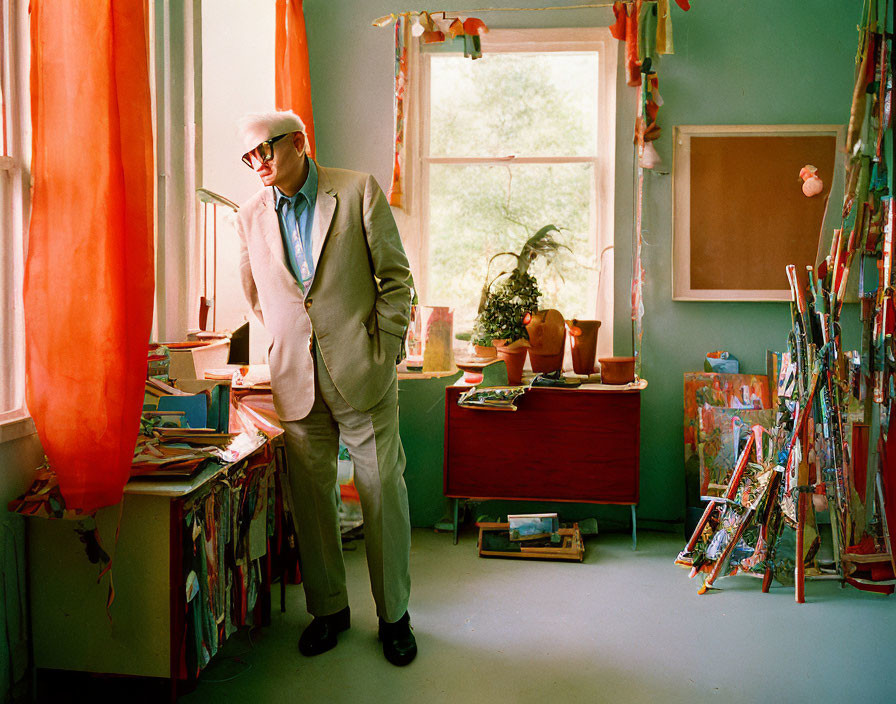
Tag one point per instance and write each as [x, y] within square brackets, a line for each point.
[396, 189]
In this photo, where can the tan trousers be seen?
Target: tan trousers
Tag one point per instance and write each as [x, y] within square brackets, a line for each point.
[372, 439]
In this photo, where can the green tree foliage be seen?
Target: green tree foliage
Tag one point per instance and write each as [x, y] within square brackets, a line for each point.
[505, 105]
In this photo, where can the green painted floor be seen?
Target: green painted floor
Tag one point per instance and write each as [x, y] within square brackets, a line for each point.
[622, 627]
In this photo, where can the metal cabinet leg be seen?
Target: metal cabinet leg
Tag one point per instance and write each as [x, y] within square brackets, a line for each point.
[455, 521]
[634, 529]
[283, 591]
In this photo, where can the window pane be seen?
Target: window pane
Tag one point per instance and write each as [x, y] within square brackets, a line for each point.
[521, 104]
[478, 211]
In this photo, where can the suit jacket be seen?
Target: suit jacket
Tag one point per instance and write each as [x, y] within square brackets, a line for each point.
[357, 305]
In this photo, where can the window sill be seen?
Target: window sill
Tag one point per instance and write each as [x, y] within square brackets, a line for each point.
[15, 425]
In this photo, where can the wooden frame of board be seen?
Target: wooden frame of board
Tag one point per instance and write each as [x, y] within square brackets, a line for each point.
[739, 214]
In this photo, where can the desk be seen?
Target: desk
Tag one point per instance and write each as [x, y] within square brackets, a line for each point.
[575, 445]
[149, 634]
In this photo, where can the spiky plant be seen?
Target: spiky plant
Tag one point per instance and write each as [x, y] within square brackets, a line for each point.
[502, 310]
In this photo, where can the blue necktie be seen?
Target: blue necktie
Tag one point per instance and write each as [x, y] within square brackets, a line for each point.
[302, 260]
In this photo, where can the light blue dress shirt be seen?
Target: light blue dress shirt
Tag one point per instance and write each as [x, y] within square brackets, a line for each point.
[296, 217]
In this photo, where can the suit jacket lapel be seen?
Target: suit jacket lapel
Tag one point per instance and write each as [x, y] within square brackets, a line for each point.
[324, 208]
[270, 226]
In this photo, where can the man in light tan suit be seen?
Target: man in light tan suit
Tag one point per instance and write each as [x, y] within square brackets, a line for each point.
[323, 268]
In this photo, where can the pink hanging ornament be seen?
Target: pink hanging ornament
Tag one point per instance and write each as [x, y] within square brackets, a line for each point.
[650, 158]
[812, 184]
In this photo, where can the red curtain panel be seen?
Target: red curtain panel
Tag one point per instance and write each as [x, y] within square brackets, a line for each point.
[89, 265]
[292, 78]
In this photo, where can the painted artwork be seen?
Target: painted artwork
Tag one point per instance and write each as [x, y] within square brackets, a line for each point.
[722, 434]
[704, 391]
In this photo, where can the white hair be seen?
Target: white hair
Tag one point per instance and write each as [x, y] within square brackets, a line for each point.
[256, 127]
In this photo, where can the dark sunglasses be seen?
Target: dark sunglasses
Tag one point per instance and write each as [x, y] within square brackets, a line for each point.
[264, 152]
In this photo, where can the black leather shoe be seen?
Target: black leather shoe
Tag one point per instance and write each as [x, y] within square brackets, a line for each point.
[399, 644]
[320, 635]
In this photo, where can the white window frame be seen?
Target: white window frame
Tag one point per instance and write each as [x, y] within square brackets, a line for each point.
[414, 221]
[15, 172]
[175, 75]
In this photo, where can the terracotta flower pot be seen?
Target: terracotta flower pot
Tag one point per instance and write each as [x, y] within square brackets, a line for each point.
[514, 358]
[547, 340]
[617, 370]
[546, 363]
[583, 344]
[485, 351]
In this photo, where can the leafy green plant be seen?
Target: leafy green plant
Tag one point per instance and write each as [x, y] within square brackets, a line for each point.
[480, 336]
[502, 309]
[506, 307]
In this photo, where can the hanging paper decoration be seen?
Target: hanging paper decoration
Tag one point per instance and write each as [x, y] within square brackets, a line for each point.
[473, 29]
[88, 287]
[647, 128]
[431, 31]
[646, 29]
[292, 77]
[632, 63]
[618, 28]
[385, 20]
[432, 34]
[396, 189]
[456, 28]
[663, 28]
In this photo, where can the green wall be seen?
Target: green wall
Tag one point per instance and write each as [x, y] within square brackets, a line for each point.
[762, 62]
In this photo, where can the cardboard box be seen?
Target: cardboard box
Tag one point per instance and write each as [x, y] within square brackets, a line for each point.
[191, 363]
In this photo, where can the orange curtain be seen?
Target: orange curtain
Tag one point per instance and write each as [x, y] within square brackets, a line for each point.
[89, 268]
[292, 78]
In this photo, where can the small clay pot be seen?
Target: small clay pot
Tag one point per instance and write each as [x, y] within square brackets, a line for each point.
[547, 341]
[617, 370]
[583, 344]
[545, 363]
[485, 351]
[514, 358]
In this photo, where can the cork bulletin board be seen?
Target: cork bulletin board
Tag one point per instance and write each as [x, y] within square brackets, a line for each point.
[740, 216]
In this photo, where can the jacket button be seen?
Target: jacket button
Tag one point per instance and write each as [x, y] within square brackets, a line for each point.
[308, 303]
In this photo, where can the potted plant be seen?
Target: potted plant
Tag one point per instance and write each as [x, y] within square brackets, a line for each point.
[509, 299]
[482, 342]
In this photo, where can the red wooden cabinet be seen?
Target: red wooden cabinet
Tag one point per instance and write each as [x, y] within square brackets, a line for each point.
[578, 445]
